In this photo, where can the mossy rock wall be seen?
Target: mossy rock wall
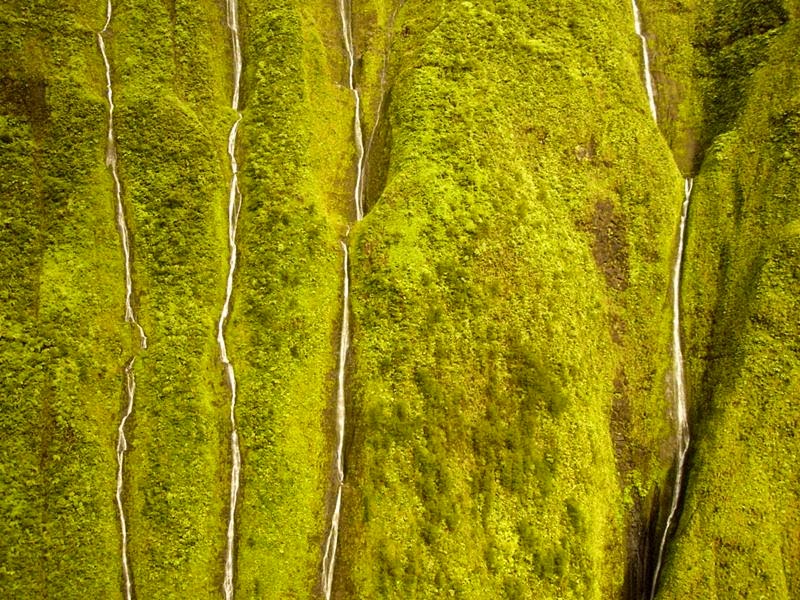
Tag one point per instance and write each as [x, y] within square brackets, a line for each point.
[509, 412]
[740, 525]
[509, 297]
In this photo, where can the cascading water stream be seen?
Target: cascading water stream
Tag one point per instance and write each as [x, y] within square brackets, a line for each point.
[234, 207]
[331, 543]
[130, 315]
[122, 447]
[648, 78]
[347, 33]
[329, 557]
[682, 434]
[678, 384]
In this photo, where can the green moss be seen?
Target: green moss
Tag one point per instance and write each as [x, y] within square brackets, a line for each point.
[671, 29]
[483, 352]
[508, 416]
[296, 158]
[741, 514]
[171, 129]
[62, 329]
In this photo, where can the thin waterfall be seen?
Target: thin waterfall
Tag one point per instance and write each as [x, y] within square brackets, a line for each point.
[234, 208]
[648, 78]
[122, 447]
[130, 314]
[344, 344]
[332, 540]
[678, 382]
[347, 33]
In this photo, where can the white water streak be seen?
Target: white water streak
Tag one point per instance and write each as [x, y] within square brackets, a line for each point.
[111, 162]
[648, 78]
[329, 558]
[122, 447]
[234, 208]
[347, 33]
[678, 382]
[130, 315]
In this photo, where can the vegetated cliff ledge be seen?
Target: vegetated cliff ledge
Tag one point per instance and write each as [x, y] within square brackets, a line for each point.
[510, 298]
[740, 532]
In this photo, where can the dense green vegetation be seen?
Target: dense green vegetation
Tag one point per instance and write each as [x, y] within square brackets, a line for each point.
[67, 343]
[669, 26]
[510, 293]
[171, 86]
[509, 417]
[741, 524]
[297, 155]
[61, 329]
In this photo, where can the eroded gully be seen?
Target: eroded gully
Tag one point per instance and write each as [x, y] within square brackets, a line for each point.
[678, 378]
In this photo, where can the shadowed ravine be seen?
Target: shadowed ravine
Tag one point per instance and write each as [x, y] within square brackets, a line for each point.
[679, 389]
[234, 207]
[364, 169]
[130, 315]
[678, 380]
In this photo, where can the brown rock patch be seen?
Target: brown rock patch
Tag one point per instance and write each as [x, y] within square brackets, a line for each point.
[610, 244]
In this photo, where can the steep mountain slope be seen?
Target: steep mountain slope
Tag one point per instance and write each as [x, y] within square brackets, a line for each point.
[510, 296]
[741, 523]
[509, 412]
[65, 343]
[297, 166]
[61, 325]
[170, 98]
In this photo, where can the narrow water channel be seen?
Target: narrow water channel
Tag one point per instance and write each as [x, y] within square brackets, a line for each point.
[130, 314]
[679, 388]
[678, 379]
[234, 207]
[332, 539]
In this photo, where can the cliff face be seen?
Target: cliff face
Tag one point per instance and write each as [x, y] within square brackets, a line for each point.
[738, 536]
[511, 309]
[66, 345]
[296, 160]
[509, 422]
[61, 384]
